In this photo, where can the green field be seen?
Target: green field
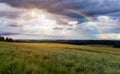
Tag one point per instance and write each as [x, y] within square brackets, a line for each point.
[52, 58]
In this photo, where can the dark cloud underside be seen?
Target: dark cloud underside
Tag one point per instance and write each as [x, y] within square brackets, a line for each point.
[57, 6]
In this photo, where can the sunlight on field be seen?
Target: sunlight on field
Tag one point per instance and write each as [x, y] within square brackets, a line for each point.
[52, 58]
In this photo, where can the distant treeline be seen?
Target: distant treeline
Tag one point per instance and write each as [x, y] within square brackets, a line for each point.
[6, 39]
[115, 43]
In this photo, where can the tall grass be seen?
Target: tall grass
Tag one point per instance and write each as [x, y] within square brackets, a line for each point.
[50, 58]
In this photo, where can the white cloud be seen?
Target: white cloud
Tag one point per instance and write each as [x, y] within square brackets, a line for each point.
[109, 27]
[110, 36]
[107, 20]
[107, 24]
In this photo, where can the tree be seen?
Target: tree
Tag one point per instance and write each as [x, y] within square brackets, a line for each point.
[9, 39]
[2, 38]
[117, 45]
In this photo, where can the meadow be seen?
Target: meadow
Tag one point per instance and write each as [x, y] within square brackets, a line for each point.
[53, 58]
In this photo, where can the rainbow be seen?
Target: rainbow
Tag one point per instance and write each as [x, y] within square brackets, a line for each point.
[86, 16]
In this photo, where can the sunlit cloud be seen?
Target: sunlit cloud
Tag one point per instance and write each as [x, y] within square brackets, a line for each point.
[110, 36]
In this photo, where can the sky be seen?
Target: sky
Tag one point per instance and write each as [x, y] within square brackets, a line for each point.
[60, 19]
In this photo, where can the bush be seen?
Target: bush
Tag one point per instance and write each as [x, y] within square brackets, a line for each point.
[117, 45]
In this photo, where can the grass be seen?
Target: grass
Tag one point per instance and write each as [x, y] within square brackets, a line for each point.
[52, 58]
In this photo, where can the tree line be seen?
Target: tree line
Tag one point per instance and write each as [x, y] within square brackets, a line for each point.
[114, 43]
[6, 39]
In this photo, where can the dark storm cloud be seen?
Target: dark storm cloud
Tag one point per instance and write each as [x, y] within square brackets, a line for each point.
[7, 33]
[49, 4]
[14, 25]
[58, 28]
[92, 7]
[11, 15]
